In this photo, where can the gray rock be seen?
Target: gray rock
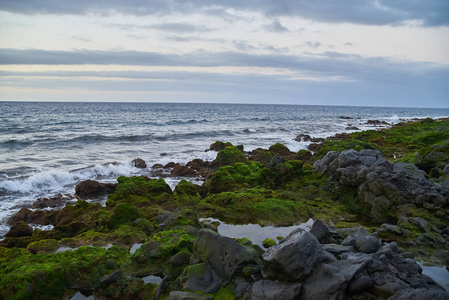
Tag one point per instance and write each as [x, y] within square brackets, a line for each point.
[421, 294]
[331, 281]
[242, 289]
[277, 159]
[382, 187]
[110, 278]
[446, 170]
[361, 284]
[275, 290]
[325, 234]
[295, 257]
[180, 258]
[337, 249]
[418, 222]
[200, 277]
[226, 256]
[187, 296]
[367, 244]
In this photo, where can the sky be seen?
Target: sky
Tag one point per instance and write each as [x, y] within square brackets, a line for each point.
[322, 52]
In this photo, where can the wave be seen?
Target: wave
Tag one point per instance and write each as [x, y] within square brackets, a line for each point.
[58, 181]
[14, 144]
[183, 122]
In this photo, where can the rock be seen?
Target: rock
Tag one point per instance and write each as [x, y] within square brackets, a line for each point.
[110, 278]
[325, 234]
[330, 281]
[183, 171]
[139, 163]
[361, 284]
[446, 170]
[229, 156]
[242, 289]
[337, 249]
[218, 146]
[280, 149]
[295, 257]
[445, 231]
[381, 187]
[169, 165]
[303, 138]
[367, 244]
[420, 223]
[422, 294]
[180, 258]
[275, 290]
[376, 122]
[187, 296]
[277, 159]
[91, 188]
[267, 243]
[20, 229]
[56, 201]
[226, 256]
[161, 287]
[157, 166]
[22, 215]
[201, 278]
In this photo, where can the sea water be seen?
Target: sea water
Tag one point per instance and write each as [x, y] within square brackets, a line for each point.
[48, 148]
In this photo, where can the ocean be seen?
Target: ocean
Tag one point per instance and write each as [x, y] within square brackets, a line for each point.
[48, 148]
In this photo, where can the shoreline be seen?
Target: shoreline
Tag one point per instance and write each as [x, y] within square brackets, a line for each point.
[402, 207]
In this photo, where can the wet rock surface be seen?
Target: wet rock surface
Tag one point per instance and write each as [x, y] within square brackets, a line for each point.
[91, 188]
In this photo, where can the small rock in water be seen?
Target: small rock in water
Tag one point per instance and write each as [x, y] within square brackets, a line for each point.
[139, 163]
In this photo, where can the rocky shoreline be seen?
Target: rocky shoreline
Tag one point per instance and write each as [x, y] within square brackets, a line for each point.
[379, 198]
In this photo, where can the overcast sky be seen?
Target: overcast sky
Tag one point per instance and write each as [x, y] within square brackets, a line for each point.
[324, 52]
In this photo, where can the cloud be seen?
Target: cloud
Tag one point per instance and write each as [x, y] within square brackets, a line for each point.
[276, 26]
[372, 12]
[348, 44]
[181, 27]
[314, 45]
[80, 38]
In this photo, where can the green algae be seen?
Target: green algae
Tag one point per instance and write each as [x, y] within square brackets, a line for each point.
[229, 156]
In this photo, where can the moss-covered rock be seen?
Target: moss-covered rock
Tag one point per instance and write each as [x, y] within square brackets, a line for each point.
[44, 246]
[267, 243]
[280, 149]
[229, 156]
[123, 213]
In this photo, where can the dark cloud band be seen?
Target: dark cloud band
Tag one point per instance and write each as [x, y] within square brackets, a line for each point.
[372, 12]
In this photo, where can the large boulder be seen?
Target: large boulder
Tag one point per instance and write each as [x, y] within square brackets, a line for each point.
[381, 186]
[225, 255]
[295, 257]
[91, 189]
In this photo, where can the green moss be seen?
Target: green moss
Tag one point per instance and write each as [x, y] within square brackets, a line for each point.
[45, 246]
[267, 243]
[229, 156]
[173, 241]
[140, 191]
[123, 213]
[225, 293]
[280, 149]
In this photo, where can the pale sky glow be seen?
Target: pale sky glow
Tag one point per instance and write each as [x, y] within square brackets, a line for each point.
[364, 52]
